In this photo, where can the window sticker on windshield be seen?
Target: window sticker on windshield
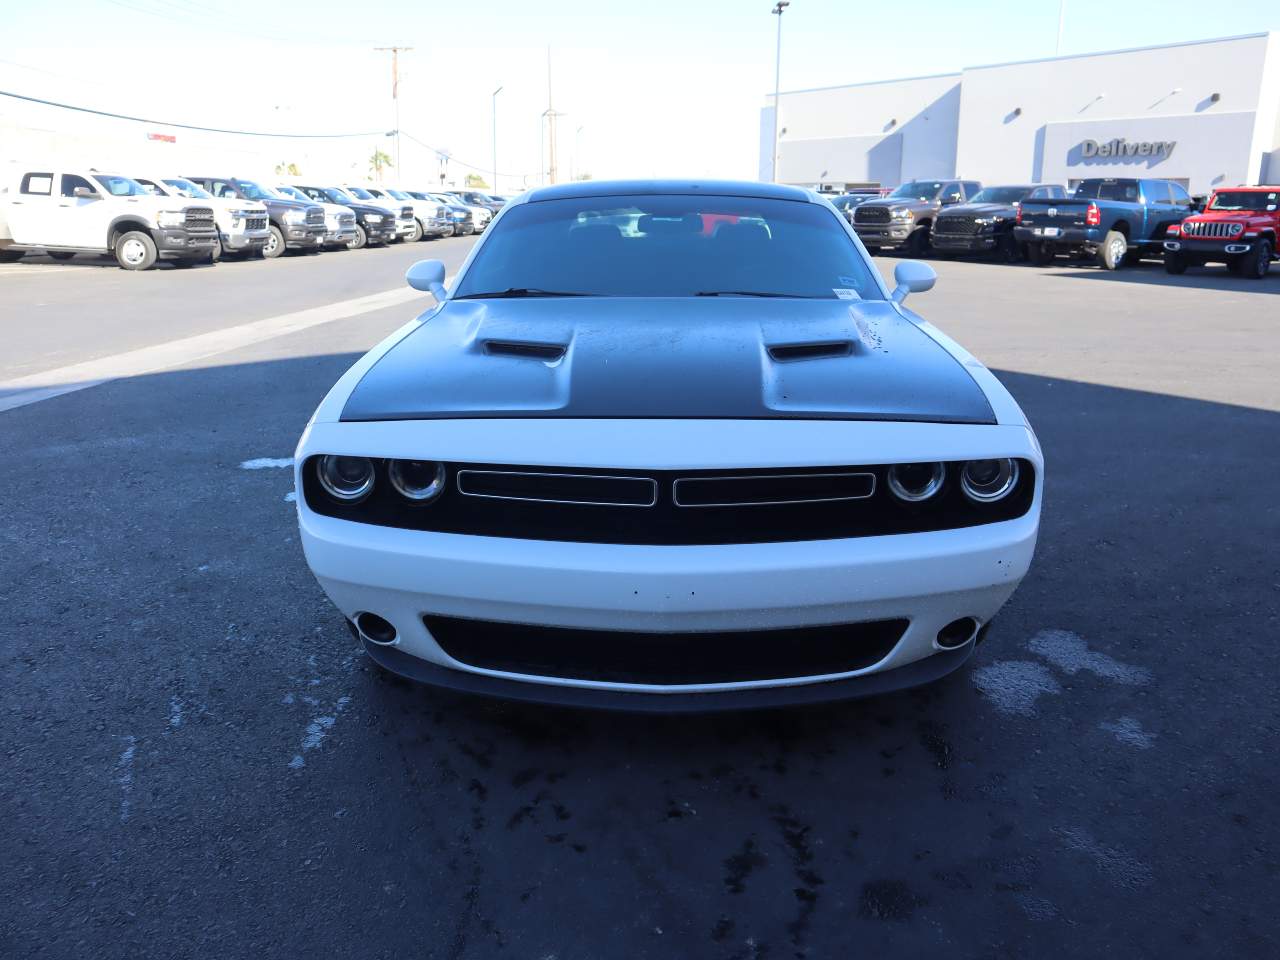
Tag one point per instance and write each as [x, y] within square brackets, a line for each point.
[845, 294]
[848, 281]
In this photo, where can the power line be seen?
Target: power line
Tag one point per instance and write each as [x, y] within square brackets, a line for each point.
[461, 163]
[188, 126]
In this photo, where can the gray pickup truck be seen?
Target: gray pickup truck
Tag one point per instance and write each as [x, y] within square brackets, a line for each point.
[904, 219]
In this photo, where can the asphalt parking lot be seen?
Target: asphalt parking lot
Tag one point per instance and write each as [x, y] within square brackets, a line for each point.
[200, 762]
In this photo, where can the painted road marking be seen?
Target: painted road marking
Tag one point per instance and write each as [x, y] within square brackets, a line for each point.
[35, 387]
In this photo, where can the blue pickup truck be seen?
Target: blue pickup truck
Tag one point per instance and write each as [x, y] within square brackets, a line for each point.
[1116, 221]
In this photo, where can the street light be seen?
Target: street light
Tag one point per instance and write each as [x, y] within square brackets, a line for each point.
[577, 147]
[495, 138]
[778, 9]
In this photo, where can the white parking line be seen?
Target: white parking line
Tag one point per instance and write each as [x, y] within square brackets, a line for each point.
[35, 387]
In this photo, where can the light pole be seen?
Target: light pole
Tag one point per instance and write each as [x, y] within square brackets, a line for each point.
[495, 138]
[1062, 19]
[778, 9]
[576, 167]
[395, 94]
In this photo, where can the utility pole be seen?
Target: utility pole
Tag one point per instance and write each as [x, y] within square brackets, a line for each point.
[495, 139]
[551, 115]
[395, 93]
[1062, 18]
[778, 9]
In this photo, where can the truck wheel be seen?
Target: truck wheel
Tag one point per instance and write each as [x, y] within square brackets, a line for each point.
[918, 243]
[217, 253]
[1009, 249]
[360, 240]
[1042, 254]
[61, 254]
[417, 233]
[1111, 253]
[11, 256]
[1175, 262]
[1257, 262]
[275, 243]
[135, 250]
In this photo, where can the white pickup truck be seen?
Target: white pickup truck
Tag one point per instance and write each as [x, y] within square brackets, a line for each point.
[65, 212]
[242, 224]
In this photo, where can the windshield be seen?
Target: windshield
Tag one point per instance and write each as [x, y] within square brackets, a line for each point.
[293, 193]
[333, 193]
[121, 186]
[1243, 200]
[255, 191]
[399, 194]
[361, 193]
[154, 188]
[188, 189]
[917, 190]
[670, 246]
[1126, 190]
[441, 198]
[1000, 195]
[417, 195]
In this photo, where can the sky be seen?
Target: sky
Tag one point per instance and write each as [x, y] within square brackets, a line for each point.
[644, 89]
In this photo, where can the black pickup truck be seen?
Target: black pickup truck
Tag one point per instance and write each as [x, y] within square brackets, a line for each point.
[985, 223]
[1116, 221]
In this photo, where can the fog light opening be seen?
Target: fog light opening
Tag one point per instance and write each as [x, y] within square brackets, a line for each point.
[957, 633]
[375, 629]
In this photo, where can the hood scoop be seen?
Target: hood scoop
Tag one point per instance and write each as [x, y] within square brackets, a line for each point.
[546, 352]
[787, 352]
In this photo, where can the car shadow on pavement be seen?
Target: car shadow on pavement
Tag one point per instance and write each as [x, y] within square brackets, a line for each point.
[1207, 278]
[193, 732]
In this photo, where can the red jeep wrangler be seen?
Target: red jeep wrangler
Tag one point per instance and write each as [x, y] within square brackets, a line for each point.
[1238, 227]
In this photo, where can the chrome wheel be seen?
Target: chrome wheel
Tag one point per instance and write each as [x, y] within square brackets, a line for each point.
[133, 251]
[272, 244]
[1118, 248]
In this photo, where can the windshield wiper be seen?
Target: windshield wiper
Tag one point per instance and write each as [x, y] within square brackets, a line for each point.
[512, 293]
[748, 293]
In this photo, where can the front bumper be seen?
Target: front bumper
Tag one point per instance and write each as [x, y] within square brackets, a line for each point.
[303, 236]
[439, 227]
[405, 227]
[182, 242]
[889, 234]
[245, 240]
[343, 235]
[977, 243]
[1210, 249]
[382, 232]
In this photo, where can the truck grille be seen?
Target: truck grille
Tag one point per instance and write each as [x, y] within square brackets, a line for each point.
[257, 222]
[1211, 228]
[199, 218]
[956, 226]
[406, 213]
[870, 214]
[346, 219]
[315, 216]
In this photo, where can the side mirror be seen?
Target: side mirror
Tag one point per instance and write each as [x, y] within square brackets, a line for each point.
[86, 193]
[428, 276]
[912, 276]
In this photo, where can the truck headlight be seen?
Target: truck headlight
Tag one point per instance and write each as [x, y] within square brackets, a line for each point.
[900, 213]
[372, 218]
[295, 216]
[171, 218]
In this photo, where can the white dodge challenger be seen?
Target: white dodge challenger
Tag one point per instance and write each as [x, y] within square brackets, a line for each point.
[669, 446]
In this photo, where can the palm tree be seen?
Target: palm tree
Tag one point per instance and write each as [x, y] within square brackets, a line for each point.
[377, 163]
[477, 181]
[290, 168]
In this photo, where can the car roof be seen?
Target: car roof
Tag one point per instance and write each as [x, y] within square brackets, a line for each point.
[618, 188]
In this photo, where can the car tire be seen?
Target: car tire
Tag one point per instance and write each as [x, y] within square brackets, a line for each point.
[1042, 254]
[11, 256]
[1009, 249]
[917, 244]
[1113, 250]
[217, 253]
[418, 232]
[1175, 262]
[135, 250]
[61, 254]
[1257, 262]
[360, 240]
[274, 247]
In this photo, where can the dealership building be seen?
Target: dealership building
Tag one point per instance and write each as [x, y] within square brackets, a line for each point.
[1205, 113]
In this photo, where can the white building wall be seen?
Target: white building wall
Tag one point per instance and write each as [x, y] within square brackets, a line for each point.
[1145, 94]
[872, 132]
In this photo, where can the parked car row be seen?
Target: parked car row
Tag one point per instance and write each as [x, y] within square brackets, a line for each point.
[1113, 221]
[189, 220]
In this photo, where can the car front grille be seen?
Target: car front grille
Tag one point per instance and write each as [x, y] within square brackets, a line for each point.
[668, 507]
[315, 217]
[956, 226]
[406, 213]
[346, 219]
[199, 218]
[256, 222]
[1211, 228]
[870, 214]
[665, 659]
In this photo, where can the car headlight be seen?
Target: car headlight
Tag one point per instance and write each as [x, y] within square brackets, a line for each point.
[295, 216]
[915, 482]
[989, 480]
[372, 218]
[171, 218]
[900, 213]
[420, 480]
[345, 478]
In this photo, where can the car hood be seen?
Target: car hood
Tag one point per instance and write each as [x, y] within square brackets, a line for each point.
[979, 210]
[913, 204]
[710, 358]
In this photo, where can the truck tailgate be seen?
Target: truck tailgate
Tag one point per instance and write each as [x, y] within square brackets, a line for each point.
[1049, 213]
